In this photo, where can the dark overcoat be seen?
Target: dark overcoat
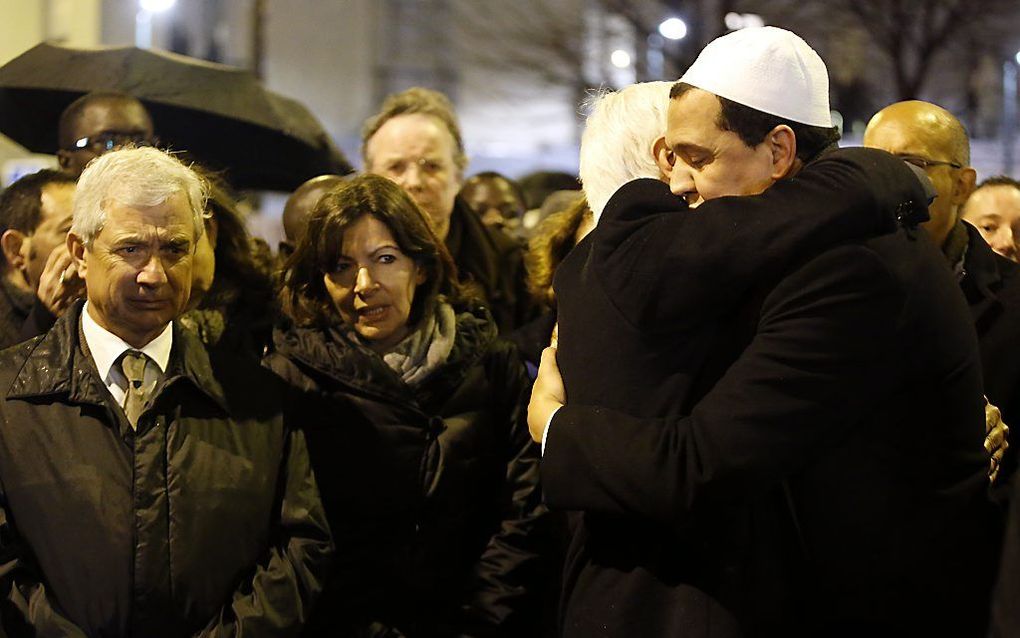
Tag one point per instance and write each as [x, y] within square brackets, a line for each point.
[461, 554]
[991, 284]
[206, 519]
[779, 431]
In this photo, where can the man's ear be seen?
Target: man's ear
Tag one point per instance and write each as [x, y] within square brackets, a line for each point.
[782, 143]
[664, 158]
[11, 243]
[212, 228]
[963, 185]
[76, 247]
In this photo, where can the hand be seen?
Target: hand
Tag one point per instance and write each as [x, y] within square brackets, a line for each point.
[997, 439]
[59, 284]
[547, 395]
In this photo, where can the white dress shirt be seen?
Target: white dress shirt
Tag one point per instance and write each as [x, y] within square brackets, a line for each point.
[107, 347]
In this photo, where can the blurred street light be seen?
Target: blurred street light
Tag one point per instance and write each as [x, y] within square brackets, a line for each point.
[143, 20]
[673, 29]
[620, 59]
[156, 6]
[1018, 57]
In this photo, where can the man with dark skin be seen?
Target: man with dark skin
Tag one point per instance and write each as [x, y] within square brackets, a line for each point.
[299, 207]
[496, 198]
[100, 122]
[931, 138]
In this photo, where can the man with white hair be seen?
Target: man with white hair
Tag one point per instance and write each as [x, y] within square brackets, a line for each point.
[148, 488]
[800, 451]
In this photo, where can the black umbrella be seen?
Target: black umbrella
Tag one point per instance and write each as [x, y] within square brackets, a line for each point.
[221, 115]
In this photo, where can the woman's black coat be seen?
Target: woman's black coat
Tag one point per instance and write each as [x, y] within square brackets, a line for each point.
[441, 535]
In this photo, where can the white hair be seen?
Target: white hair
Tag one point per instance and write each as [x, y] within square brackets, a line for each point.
[616, 146]
[135, 177]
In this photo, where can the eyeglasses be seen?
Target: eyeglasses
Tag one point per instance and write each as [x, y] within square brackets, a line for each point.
[923, 162]
[108, 141]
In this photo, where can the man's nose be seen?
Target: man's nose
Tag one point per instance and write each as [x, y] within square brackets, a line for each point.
[1007, 244]
[153, 273]
[681, 182]
[412, 177]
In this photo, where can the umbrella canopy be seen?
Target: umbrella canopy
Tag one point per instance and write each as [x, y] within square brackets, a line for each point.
[221, 115]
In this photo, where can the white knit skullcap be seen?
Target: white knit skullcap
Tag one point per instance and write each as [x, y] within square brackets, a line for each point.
[768, 69]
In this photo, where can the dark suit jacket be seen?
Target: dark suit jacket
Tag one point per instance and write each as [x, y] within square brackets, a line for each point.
[779, 429]
[991, 284]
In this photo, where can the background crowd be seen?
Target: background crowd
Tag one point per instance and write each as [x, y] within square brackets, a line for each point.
[201, 434]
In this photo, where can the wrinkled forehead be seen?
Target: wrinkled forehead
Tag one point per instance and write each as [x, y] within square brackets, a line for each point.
[173, 214]
[413, 136]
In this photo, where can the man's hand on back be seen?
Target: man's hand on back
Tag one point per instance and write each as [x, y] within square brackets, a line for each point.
[547, 395]
[997, 439]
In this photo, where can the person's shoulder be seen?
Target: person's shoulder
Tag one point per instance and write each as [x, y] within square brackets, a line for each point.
[889, 264]
[18, 352]
[242, 377]
[12, 360]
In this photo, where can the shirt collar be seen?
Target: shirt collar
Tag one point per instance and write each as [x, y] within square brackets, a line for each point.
[107, 347]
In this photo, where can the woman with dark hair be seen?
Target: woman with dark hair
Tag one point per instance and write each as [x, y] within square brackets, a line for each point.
[232, 303]
[444, 540]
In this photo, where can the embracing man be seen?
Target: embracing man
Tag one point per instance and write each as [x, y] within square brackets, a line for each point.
[787, 441]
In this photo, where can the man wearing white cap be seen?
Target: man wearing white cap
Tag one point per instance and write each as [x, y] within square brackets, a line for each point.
[800, 453]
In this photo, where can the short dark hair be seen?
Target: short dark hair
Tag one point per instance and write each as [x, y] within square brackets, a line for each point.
[999, 180]
[752, 125]
[21, 202]
[318, 251]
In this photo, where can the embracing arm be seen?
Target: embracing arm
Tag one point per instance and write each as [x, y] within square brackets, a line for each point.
[824, 339]
[278, 599]
[648, 241]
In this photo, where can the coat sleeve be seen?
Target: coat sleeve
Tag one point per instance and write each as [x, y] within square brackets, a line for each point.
[668, 267]
[277, 600]
[26, 609]
[825, 338]
[505, 597]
